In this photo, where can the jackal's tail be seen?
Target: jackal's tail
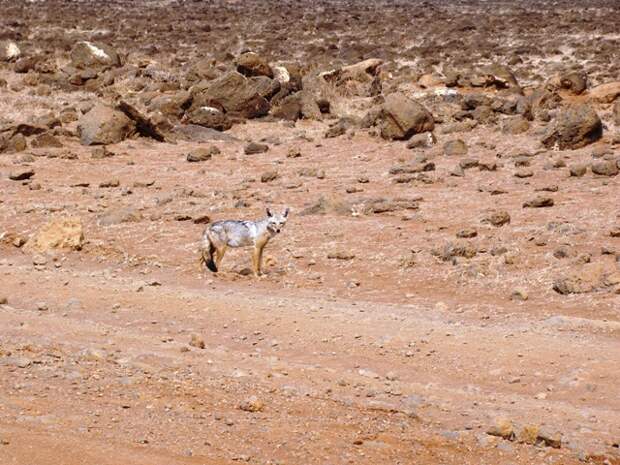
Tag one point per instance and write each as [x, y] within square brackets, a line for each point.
[206, 256]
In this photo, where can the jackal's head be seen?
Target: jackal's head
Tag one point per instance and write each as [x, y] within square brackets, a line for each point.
[276, 221]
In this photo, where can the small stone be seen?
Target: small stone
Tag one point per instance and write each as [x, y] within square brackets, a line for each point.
[578, 169]
[539, 202]
[3, 300]
[454, 148]
[519, 294]
[21, 174]
[42, 307]
[252, 404]
[340, 255]
[467, 233]
[254, 147]
[605, 168]
[497, 218]
[269, 176]
[101, 152]
[528, 434]
[202, 154]
[197, 341]
[502, 428]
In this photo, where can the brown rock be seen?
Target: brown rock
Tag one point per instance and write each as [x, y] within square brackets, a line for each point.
[251, 64]
[64, 233]
[605, 93]
[502, 428]
[9, 50]
[197, 341]
[234, 93]
[104, 125]
[46, 140]
[605, 168]
[269, 176]
[21, 174]
[252, 404]
[539, 202]
[93, 55]
[578, 169]
[455, 147]
[202, 154]
[575, 127]
[402, 117]
[254, 147]
[497, 218]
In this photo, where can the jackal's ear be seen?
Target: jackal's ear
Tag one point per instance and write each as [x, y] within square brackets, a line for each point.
[286, 212]
[269, 212]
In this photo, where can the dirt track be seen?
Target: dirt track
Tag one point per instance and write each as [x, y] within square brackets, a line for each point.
[397, 321]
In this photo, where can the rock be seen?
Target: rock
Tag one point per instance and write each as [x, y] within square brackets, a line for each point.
[46, 140]
[605, 168]
[87, 55]
[269, 176]
[301, 104]
[515, 125]
[337, 129]
[575, 127]
[3, 300]
[253, 148]
[197, 341]
[340, 255]
[454, 249]
[21, 174]
[454, 148]
[235, 94]
[576, 82]
[605, 93]
[104, 125]
[265, 87]
[616, 112]
[251, 64]
[528, 434]
[467, 233]
[401, 117]
[495, 75]
[101, 152]
[426, 140]
[502, 428]
[202, 154]
[524, 173]
[578, 169]
[121, 215]
[539, 202]
[201, 134]
[588, 277]
[209, 117]
[144, 126]
[497, 218]
[548, 439]
[519, 294]
[9, 51]
[252, 404]
[63, 233]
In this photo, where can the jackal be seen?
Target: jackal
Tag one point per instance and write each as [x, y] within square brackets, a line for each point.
[237, 233]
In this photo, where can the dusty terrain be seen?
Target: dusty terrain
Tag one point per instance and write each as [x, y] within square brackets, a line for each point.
[450, 301]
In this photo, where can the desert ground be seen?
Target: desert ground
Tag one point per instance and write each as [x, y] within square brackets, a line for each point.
[446, 289]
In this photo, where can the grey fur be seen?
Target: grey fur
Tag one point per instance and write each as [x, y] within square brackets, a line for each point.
[220, 235]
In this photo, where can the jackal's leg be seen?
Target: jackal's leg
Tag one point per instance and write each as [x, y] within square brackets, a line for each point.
[219, 255]
[257, 259]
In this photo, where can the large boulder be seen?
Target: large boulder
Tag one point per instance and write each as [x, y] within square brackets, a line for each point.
[574, 127]
[104, 125]
[402, 117]
[235, 94]
[9, 51]
[93, 55]
[63, 233]
[251, 64]
[605, 93]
